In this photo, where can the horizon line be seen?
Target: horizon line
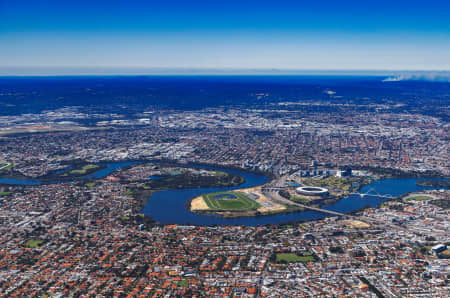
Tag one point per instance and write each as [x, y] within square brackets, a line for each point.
[50, 71]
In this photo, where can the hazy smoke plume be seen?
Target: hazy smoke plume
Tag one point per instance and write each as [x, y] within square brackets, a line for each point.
[435, 76]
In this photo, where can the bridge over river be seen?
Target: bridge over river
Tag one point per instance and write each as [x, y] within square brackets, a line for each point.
[320, 210]
[371, 192]
[272, 192]
[276, 197]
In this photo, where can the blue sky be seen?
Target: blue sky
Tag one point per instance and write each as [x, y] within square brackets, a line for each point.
[301, 35]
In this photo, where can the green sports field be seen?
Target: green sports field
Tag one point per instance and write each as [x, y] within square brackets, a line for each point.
[230, 201]
[419, 198]
[293, 258]
[84, 169]
[33, 243]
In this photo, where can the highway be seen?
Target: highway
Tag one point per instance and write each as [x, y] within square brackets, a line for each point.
[276, 197]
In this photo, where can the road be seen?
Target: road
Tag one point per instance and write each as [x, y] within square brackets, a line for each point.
[276, 197]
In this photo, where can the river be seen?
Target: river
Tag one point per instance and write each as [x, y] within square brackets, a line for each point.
[169, 206]
[102, 173]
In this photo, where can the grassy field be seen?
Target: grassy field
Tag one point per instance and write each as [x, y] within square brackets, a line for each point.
[240, 203]
[220, 173]
[419, 198]
[293, 258]
[33, 243]
[84, 169]
[183, 283]
[5, 193]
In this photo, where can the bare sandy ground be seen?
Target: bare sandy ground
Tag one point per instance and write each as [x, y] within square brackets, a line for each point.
[198, 204]
[356, 224]
[274, 208]
[262, 199]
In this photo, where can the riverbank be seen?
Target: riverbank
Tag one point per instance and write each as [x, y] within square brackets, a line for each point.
[434, 183]
[388, 173]
[169, 206]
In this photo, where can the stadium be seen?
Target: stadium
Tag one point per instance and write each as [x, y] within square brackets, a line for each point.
[312, 191]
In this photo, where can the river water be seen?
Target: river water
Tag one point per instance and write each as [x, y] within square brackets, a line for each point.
[169, 206]
[109, 168]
